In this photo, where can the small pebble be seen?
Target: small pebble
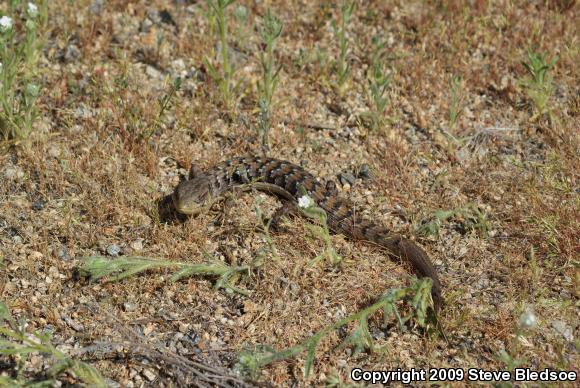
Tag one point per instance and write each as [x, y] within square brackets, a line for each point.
[192, 337]
[71, 54]
[346, 177]
[113, 250]
[365, 171]
[13, 172]
[167, 18]
[96, 7]
[129, 307]
[62, 253]
[137, 245]
[38, 205]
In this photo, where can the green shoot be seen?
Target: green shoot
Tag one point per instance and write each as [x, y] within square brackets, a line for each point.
[340, 31]
[270, 32]
[469, 217]
[19, 81]
[526, 323]
[379, 80]
[98, 267]
[14, 341]
[224, 78]
[538, 84]
[164, 103]
[243, 25]
[309, 208]
[265, 228]
[457, 100]
[419, 294]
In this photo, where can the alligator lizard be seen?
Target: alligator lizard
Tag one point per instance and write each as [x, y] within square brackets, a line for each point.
[284, 179]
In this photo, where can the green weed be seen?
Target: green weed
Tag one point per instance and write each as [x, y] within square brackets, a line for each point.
[309, 208]
[265, 228]
[379, 81]
[19, 81]
[526, 322]
[538, 83]
[164, 103]
[98, 267]
[270, 31]
[418, 294]
[340, 31]
[457, 103]
[14, 341]
[243, 25]
[223, 78]
[469, 217]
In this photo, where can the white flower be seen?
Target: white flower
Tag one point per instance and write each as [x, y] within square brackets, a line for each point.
[32, 10]
[305, 202]
[5, 24]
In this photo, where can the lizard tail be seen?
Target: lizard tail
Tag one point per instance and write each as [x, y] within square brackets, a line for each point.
[410, 252]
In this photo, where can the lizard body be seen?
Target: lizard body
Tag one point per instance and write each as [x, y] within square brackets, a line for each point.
[285, 180]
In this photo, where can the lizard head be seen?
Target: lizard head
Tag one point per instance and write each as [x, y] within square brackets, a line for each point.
[191, 196]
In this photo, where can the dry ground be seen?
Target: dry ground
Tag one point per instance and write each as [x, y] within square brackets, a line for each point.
[87, 180]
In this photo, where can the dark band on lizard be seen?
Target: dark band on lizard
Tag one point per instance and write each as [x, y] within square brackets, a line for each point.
[284, 179]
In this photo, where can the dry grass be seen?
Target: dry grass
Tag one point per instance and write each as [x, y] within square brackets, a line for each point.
[101, 155]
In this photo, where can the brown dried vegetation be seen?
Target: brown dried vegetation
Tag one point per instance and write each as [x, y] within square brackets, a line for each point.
[100, 156]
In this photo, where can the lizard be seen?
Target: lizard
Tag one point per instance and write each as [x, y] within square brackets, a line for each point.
[289, 182]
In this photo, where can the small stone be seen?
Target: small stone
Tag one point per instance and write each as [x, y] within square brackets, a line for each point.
[83, 112]
[178, 65]
[96, 7]
[38, 205]
[113, 250]
[346, 177]
[149, 375]
[62, 253]
[365, 171]
[137, 245]
[35, 255]
[73, 324]
[153, 72]
[13, 172]
[146, 25]
[193, 337]
[71, 54]
[563, 329]
[167, 18]
[129, 307]
[54, 151]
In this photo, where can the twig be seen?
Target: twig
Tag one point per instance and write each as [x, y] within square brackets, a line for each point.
[192, 373]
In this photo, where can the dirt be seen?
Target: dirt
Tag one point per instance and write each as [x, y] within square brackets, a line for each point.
[103, 152]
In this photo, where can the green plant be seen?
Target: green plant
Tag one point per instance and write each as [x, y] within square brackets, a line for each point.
[309, 208]
[14, 341]
[340, 31]
[379, 81]
[265, 228]
[457, 100]
[469, 217]
[270, 32]
[223, 78]
[538, 84]
[526, 323]
[164, 103]
[19, 84]
[419, 294]
[243, 25]
[98, 267]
